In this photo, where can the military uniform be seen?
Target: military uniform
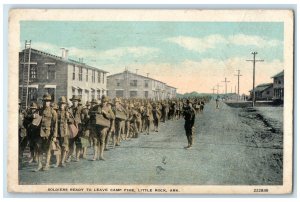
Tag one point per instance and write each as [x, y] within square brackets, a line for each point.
[189, 116]
[75, 119]
[63, 117]
[48, 132]
[100, 131]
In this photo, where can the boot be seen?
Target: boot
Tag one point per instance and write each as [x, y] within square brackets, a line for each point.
[39, 159]
[63, 163]
[78, 151]
[47, 165]
[95, 153]
[84, 152]
[101, 152]
[57, 161]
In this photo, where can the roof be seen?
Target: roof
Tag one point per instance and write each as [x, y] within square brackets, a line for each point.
[139, 76]
[262, 87]
[69, 61]
[279, 74]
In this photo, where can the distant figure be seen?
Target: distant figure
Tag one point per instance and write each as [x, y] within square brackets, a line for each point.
[189, 116]
[218, 103]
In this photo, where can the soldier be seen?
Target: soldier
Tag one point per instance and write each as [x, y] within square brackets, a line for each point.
[148, 118]
[100, 118]
[218, 103]
[22, 134]
[48, 133]
[156, 116]
[75, 112]
[189, 116]
[63, 117]
[119, 122]
[93, 136]
[112, 129]
[85, 129]
[32, 128]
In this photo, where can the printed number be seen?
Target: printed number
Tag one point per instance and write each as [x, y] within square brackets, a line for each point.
[261, 190]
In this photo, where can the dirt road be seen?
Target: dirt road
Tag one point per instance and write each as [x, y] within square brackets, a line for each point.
[233, 147]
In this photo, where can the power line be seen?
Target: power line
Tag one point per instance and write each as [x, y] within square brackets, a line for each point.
[253, 86]
[238, 75]
[225, 81]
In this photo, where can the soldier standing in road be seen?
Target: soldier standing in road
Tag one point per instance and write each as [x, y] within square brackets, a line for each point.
[48, 133]
[119, 122]
[100, 114]
[189, 116]
[75, 111]
[85, 129]
[63, 117]
[217, 103]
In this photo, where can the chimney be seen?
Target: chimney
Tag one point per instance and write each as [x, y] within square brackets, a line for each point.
[64, 53]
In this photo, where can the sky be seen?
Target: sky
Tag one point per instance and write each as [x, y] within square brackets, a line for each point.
[191, 56]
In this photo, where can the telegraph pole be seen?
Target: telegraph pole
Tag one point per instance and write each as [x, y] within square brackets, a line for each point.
[253, 86]
[238, 75]
[213, 89]
[226, 84]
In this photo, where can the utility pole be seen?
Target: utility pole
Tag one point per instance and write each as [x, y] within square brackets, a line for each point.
[253, 86]
[238, 75]
[225, 81]
[213, 89]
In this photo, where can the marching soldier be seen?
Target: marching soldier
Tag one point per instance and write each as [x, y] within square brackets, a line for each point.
[189, 116]
[85, 129]
[156, 116]
[100, 118]
[22, 134]
[48, 133]
[63, 117]
[112, 128]
[119, 122]
[75, 112]
[148, 118]
[32, 123]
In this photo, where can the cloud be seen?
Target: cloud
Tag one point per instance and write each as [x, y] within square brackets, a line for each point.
[247, 40]
[212, 41]
[93, 54]
[197, 44]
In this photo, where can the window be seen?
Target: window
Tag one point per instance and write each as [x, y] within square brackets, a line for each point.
[32, 94]
[102, 77]
[133, 93]
[93, 94]
[133, 83]
[93, 76]
[279, 82]
[119, 93]
[33, 72]
[98, 94]
[80, 92]
[146, 83]
[118, 82]
[51, 91]
[80, 74]
[87, 75]
[99, 77]
[74, 69]
[146, 94]
[73, 91]
[51, 72]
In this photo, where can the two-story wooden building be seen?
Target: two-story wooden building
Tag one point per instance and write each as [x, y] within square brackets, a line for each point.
[130, 85]
[278, 86]
[41, 72]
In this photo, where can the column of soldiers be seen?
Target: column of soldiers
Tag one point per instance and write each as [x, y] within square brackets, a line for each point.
[66, 131]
